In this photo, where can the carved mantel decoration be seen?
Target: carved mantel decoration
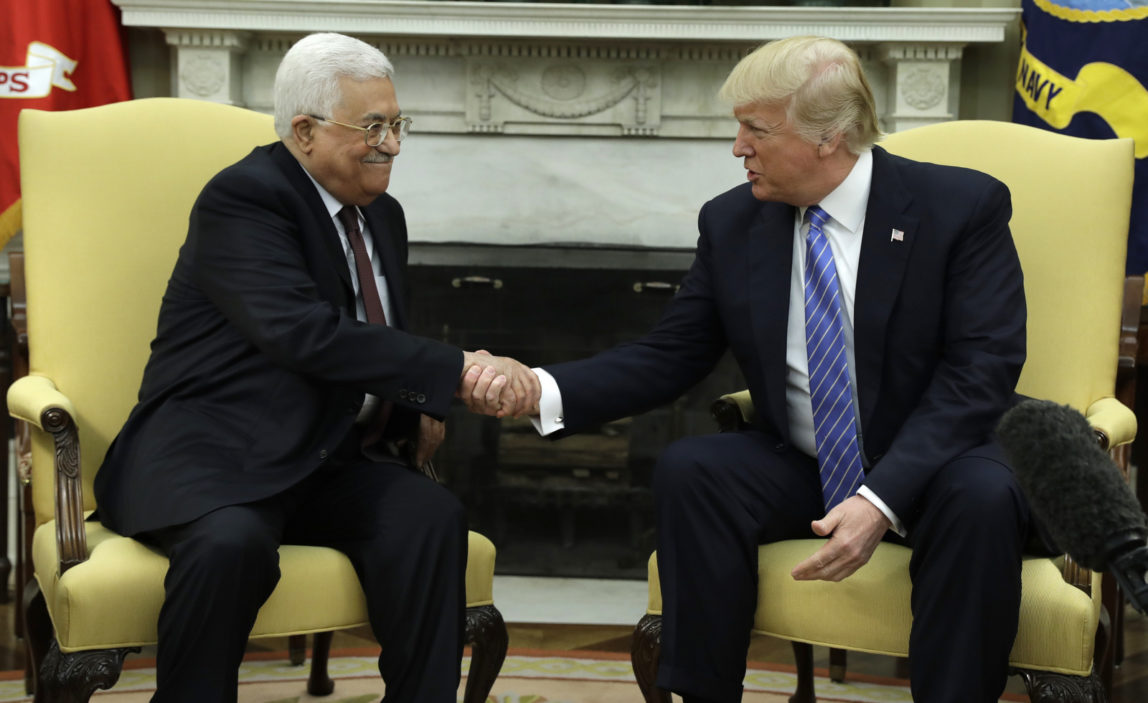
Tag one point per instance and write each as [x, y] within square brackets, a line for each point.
[564, 91]
[539, 93]
[546, 65]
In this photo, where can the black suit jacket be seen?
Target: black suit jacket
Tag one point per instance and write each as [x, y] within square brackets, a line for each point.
[939, 322]
[259, 367]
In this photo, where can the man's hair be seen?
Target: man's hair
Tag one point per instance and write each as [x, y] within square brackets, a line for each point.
[307, 82]
[819, 80]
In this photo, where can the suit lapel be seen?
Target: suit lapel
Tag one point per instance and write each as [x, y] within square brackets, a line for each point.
[386, 248]
[891, 229]
[301, 182]
[770, 263]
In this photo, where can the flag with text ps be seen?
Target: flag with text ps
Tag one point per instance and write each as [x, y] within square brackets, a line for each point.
[54, 55]
[1083, 71]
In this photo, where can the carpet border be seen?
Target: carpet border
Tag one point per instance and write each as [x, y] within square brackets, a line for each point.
[373, 651]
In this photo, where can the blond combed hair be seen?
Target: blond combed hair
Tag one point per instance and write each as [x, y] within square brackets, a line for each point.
[820, 82]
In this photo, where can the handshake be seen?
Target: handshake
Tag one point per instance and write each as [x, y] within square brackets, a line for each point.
[498, 385]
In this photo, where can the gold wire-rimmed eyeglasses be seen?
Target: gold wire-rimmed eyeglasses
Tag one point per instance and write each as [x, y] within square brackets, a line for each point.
[375, 133]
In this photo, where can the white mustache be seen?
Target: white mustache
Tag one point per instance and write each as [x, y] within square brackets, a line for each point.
[377, 158]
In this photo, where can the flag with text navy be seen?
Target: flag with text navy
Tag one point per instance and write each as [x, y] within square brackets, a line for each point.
[54, 55]
[1083, 72]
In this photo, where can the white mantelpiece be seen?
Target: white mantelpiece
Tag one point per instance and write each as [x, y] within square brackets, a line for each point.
[586, 21]
[593, 121]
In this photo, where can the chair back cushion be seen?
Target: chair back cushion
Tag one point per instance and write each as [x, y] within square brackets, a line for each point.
[1071, 200]
[106, 196]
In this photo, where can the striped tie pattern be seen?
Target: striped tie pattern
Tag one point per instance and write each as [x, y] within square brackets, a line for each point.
[835, 430]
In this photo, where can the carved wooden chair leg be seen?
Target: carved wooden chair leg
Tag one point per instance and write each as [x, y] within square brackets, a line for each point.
[59, 677]
[37, 632]
[837, 661]
[487, 637]
[645, 651]
[73, 678]
[1047, 687]
[319, 683]
[803, 659]
[297, 649]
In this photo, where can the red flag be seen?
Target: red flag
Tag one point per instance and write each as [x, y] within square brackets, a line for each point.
[54, 55]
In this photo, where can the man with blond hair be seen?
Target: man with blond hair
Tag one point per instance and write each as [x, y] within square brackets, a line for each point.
[876, 308]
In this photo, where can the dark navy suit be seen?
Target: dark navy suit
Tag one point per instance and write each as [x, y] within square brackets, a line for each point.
[939, 342]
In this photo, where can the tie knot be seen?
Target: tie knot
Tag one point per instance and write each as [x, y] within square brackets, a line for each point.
[349, 216]
[817, 216]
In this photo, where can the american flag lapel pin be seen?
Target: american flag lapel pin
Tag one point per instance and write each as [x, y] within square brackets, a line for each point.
[897, 236]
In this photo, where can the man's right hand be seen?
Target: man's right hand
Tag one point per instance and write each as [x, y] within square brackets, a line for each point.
[498, 385]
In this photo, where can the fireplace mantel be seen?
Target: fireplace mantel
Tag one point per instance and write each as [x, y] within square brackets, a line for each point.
[565, 122]
[753, 24]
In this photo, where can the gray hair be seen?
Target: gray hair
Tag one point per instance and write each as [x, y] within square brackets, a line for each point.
[307, 82]
[821, 82]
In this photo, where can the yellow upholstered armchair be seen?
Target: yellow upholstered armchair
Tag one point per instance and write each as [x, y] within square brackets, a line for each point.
[1071, 200]
[107, 192]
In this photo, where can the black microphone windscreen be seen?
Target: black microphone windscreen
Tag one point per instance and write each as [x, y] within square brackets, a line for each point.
[1072, 485]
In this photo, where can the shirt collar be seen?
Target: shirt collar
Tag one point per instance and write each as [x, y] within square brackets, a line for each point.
[329, 201]
[847, 202]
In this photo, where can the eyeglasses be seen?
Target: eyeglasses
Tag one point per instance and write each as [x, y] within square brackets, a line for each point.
[376, 132]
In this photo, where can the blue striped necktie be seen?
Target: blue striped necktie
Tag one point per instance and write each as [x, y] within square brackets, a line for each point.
[834, 426]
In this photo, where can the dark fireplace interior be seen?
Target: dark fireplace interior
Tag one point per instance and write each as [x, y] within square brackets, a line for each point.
[580, 506]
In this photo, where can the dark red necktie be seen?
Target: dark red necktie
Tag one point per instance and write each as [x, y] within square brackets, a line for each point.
[349, 216]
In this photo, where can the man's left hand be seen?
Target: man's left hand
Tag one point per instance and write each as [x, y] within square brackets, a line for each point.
[855, 528]
[431, 434]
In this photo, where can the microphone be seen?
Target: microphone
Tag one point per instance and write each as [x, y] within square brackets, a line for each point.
[1077, 492]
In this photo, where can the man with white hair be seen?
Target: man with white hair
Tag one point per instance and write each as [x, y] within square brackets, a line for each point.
[875, 306]
[284, 403]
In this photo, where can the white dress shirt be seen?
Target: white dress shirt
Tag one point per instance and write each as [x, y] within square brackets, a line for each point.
[333, 208]
[370, 402]
[846, 208]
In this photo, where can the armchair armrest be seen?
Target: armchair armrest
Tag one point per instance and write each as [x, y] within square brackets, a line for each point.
[1112, 421]
[733, 411]
[31, 397]
[35, 399]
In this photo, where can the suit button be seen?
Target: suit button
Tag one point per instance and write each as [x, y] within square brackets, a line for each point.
[780, 446]
[322, 455]
[402, 393]
[421, 398]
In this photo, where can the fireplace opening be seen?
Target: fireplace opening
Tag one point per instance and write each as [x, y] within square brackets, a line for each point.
[580, 506]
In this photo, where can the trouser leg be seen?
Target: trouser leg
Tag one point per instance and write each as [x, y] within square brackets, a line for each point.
[718, 497]
[223, 566]
[967, 546]
[407, 538]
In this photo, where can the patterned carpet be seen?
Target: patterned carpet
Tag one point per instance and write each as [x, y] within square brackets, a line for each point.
[526, 677]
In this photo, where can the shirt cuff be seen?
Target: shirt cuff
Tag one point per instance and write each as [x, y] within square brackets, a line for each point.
[869, 495]
[550, 418]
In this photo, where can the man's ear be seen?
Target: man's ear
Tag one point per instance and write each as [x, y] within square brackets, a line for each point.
[303, 130]
[830, 145]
